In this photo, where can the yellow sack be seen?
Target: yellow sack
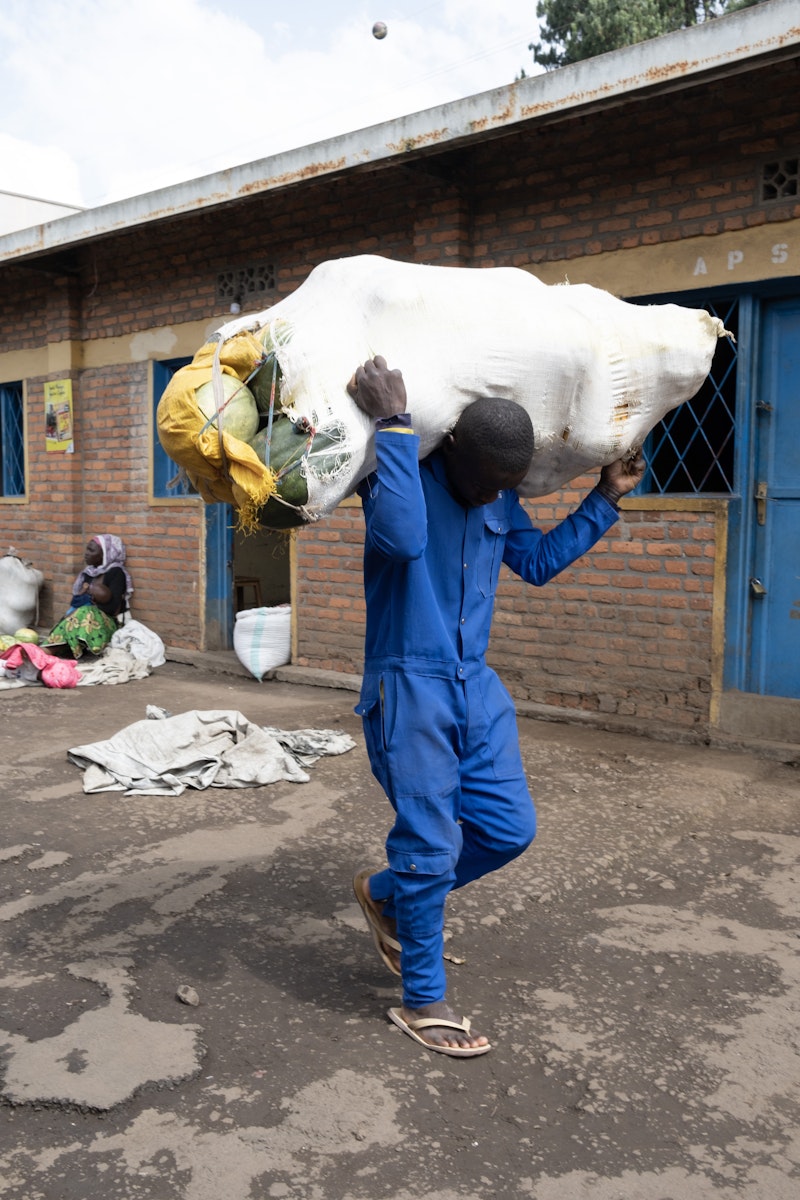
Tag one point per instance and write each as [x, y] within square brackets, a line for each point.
[221, 468]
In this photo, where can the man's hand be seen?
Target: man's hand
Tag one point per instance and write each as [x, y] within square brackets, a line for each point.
[622, 476]
[378, 391]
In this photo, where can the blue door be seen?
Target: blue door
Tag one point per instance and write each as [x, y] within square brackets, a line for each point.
[774, 585]
[168, 482]
[219, 576]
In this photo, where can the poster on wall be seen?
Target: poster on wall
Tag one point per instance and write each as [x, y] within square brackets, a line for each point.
[58, 416]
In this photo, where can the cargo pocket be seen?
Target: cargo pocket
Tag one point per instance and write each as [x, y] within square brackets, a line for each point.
[370, 709]
[415, 862]
[422, 881]
[490, 554]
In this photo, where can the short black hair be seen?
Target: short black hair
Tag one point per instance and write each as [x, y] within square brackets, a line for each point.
[496, 432]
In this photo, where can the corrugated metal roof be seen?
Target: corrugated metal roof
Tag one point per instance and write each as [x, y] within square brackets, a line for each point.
[720, 47]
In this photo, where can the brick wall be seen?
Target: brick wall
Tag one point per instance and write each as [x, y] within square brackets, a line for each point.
[628, 630]
[329, 596]
[625, 631]
[48, 530]
[103, 488]
[641, 174]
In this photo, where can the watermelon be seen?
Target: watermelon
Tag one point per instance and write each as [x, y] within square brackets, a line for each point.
[239, 416]
[26, 635]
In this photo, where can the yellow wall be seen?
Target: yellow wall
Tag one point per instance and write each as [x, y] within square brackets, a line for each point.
[727, 259]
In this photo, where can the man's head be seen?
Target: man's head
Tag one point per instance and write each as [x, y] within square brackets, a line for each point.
[488, 450]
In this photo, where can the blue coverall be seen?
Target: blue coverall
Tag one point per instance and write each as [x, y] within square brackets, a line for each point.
[439, 726]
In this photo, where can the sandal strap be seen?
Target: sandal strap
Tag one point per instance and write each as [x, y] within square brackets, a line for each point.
[372, 914]
[387, 940]
[463, 1026]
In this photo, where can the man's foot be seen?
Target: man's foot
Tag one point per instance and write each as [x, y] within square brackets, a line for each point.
[383, 930]
[453, 1036]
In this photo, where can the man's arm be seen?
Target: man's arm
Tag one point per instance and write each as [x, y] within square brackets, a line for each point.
[378, 392]
[620, 477]
[537, 557]
[394, 505]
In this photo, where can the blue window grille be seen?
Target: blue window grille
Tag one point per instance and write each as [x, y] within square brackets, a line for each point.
[12, 441]
[168, 479]
[691, 452]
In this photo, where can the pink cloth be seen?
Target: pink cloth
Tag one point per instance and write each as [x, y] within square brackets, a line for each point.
[55, 672]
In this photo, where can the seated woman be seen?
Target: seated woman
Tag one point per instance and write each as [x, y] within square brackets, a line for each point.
[100, 593]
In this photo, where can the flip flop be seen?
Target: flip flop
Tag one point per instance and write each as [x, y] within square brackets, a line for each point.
[379, 935]
[412, 1028]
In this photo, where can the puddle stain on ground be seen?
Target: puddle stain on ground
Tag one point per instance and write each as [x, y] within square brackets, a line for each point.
[346, 1113]
[105, 1056]
[205, 855]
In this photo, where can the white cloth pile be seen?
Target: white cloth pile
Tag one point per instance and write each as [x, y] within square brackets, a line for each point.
[163, 755]
[132, 653]
[140, 641]
[114, 665]
[308, 745]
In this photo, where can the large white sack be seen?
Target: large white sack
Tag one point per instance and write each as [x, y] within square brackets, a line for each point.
[594, 372]
[20, 582]
[262, 638]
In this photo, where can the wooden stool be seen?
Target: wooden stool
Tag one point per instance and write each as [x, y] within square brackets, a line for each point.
[241, 585]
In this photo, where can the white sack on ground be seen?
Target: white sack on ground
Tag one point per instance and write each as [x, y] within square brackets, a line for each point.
[262, 638]
[20, 582]
[594, 372]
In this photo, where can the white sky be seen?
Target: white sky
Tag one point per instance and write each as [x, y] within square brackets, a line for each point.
[103, 99]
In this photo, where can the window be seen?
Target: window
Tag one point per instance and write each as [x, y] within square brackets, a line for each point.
[249, 287]
[12, 441]
[691, 451]
[169, 481]
[779, 179]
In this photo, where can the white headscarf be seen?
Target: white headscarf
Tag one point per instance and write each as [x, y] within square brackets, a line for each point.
[113, 549]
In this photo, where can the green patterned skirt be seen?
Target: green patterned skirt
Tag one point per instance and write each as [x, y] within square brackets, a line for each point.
[87, 628]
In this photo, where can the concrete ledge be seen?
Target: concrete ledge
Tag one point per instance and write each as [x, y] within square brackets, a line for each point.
[748, 715]
[225, 662]
[220, 662]
[785, 752]
[610, 723]
[311, 677]
[781, 751]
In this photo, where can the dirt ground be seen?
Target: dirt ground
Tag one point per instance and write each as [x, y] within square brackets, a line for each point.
[637, 971]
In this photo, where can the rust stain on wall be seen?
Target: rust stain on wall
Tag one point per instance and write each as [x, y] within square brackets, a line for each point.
[308, 171]
[673, 71]
[431, 138]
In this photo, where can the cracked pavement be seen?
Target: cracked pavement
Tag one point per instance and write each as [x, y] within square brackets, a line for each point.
[637, 971]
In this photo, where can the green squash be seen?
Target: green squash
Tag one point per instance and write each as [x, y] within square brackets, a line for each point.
[288, 446]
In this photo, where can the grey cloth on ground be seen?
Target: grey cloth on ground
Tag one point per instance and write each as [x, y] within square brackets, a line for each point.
[307, 745]
[164, 755]
[114, 665]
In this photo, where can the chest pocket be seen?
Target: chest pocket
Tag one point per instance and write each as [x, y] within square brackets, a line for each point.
[490, 554]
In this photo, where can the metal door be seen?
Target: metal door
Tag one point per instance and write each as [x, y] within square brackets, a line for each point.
[219, 576]
[774, 583]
